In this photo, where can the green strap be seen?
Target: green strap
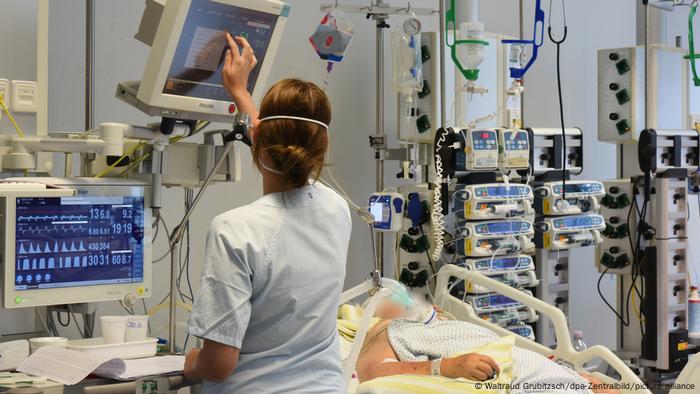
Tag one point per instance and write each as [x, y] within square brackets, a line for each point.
[451, 24]
[691, 44]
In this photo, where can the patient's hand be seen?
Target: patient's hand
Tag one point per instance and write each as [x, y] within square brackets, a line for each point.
[471, 366]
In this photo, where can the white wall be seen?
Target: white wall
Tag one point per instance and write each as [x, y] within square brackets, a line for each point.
[17, 62]
[119, 57]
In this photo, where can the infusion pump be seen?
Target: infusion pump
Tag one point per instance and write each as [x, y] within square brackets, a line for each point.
[493, 201]
[561, 233]
[581, 197]
[516, 271]
[495, 238]
[493, 150]
[481, 150]
[501, 309]
[514, 149]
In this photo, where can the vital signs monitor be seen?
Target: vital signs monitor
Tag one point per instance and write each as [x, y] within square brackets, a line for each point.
[183, 76]
[92, 246]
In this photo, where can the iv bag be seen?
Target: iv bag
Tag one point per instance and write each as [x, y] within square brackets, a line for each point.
[407, 61]
[333, 36]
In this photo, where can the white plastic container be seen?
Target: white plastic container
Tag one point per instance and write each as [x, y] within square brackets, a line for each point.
[136, 328]
[125, 351]
[113, 328]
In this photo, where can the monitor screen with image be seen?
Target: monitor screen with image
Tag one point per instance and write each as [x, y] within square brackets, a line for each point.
[183, 76]
[196, 69]
[92, 246]
[78, 241]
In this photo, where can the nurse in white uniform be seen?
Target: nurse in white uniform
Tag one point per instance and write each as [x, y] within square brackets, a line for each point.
[274, 269]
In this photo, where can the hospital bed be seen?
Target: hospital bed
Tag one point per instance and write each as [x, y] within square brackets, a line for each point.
[564, 352]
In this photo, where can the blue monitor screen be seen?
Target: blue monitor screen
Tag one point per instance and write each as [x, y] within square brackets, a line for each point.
[502, 264]
[579, 188]
[502, 191]
[78, 241]
[196, 70]
[578, 222]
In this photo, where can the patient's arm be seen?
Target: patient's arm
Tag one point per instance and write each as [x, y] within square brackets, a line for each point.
[377, 350]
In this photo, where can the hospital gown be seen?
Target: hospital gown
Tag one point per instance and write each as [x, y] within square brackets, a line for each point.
[534, 373]
[271, 286]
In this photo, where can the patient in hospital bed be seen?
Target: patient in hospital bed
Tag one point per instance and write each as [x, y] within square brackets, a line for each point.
[400, 347]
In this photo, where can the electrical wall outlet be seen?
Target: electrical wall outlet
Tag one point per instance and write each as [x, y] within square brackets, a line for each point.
[24, 97]
[5, 93]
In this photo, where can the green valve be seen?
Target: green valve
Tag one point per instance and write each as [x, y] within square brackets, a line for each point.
[607, 260]
[423, 124]
[607, 201]
[622, 231]
[623, 96]
[623, 126]
[422, 244]
[609, 230]
[406, 277]
[623, 201]
[622, 261]
[425, 53]
[407, 243]
[622, 66]
[421, 279]
[426, 90]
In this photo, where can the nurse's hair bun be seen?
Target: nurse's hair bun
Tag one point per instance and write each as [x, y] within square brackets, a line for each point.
[294, 162]
[296, 148]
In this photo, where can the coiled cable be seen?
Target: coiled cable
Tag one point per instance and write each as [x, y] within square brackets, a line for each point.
[436, 216]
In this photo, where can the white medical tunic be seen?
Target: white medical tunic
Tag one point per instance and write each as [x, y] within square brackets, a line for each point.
[271, 286]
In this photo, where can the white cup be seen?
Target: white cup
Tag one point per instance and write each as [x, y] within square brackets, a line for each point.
[113, 328]
[136, 328]
[37, 343]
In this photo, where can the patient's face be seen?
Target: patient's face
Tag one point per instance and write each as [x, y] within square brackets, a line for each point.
[389, 310]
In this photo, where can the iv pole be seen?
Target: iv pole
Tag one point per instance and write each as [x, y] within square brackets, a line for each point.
[379, 165]
[380, 11]
[239, 133]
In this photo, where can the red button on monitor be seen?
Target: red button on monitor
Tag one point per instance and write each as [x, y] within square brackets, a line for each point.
[232, 108]
[485, 135]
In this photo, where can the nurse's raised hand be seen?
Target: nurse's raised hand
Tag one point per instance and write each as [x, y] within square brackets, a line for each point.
[237, 66]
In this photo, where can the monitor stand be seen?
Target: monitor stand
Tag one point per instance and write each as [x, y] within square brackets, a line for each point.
[128, 93]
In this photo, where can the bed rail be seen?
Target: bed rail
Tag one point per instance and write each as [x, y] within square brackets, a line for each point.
[630, 383]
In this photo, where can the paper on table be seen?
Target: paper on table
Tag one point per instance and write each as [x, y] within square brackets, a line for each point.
[69, 367]
[133, 369]
[61, 365]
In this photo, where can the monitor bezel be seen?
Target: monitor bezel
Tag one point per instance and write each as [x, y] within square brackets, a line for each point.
[163, 51]
[77, 294]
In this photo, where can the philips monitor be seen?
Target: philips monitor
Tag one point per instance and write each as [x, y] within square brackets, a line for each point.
[93, 246]
[183, 76]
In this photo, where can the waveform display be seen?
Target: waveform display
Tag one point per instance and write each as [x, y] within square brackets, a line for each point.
[78, 240]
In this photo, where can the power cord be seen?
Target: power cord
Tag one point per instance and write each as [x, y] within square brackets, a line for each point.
[561, 98]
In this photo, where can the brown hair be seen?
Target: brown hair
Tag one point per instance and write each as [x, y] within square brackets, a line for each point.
[295, 148]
